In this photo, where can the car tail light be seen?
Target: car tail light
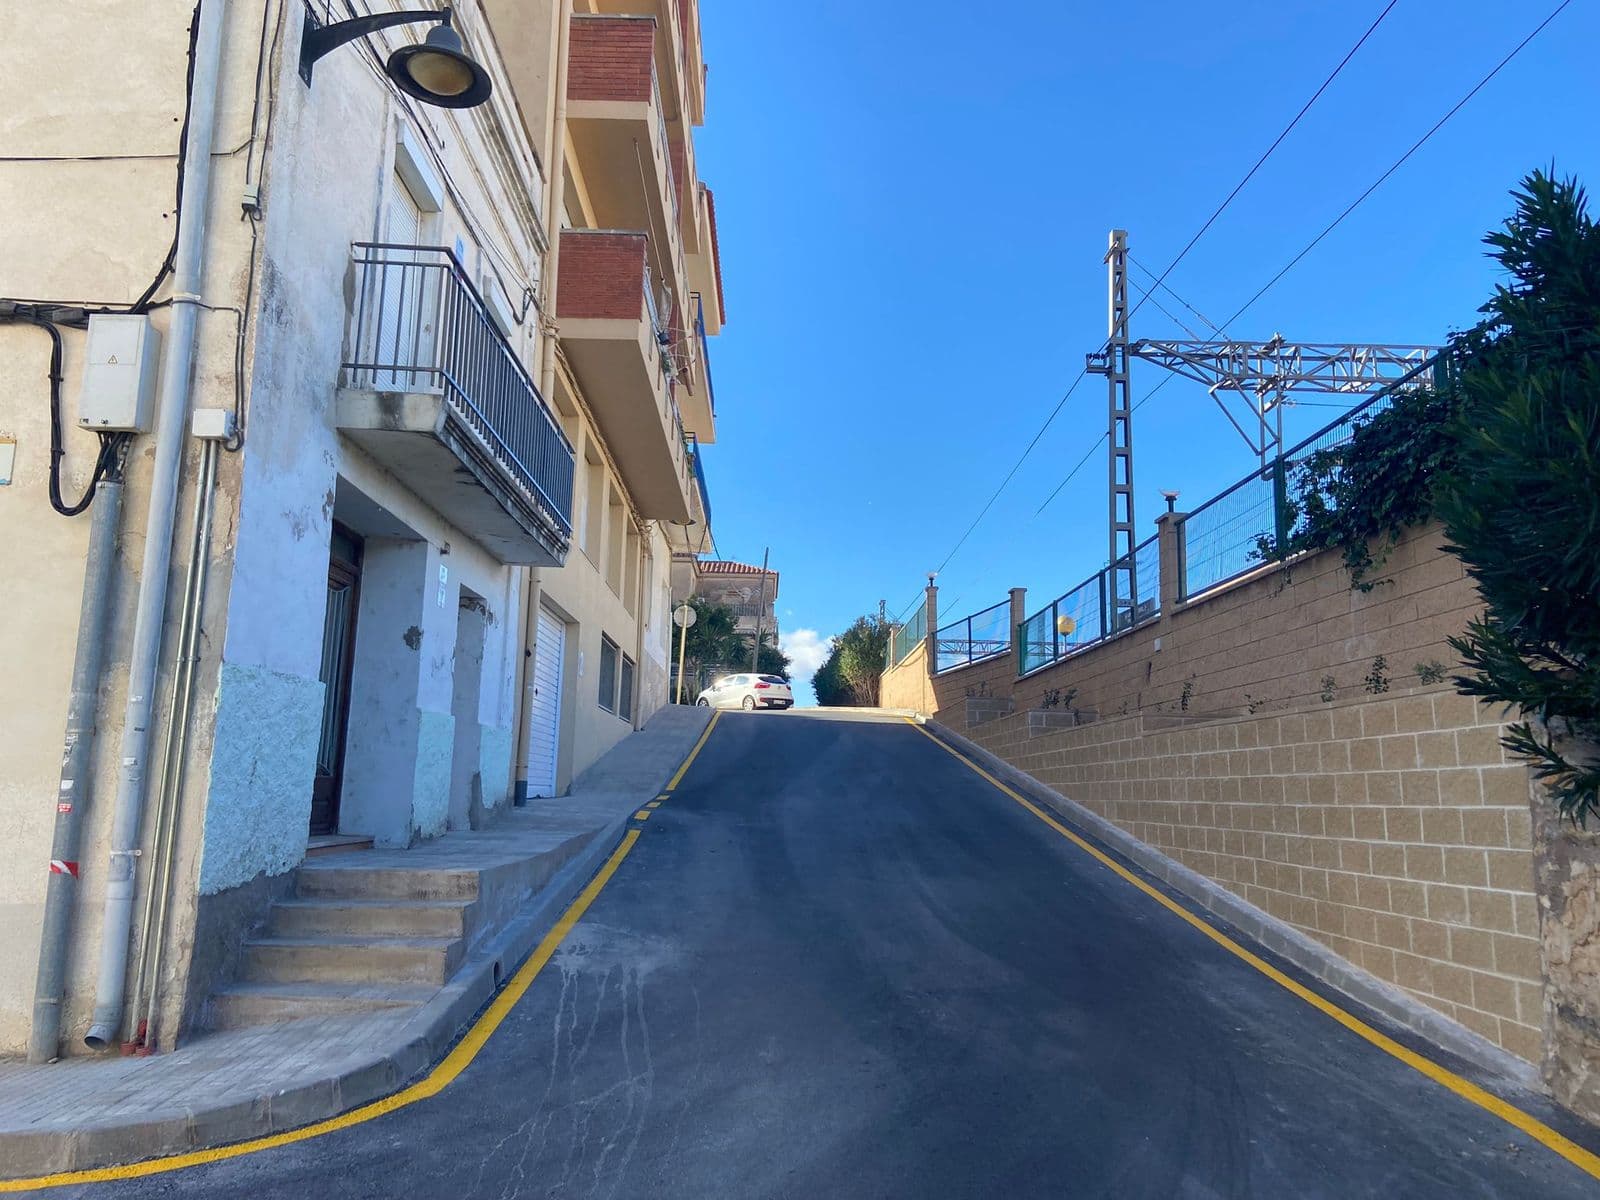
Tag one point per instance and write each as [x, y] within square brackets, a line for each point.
[762, 686]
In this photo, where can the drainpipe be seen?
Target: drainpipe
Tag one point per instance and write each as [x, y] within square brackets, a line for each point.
[177, 364]
[44, 1040]
[554, 169]
[158, 892]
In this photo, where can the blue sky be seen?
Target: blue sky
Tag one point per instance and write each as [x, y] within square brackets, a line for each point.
[913, 205]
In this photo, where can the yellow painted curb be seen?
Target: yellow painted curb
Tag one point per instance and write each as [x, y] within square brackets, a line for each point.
[441, 1077]
[1509, 1113]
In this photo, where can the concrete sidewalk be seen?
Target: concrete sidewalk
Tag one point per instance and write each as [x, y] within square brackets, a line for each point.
[243, 1083]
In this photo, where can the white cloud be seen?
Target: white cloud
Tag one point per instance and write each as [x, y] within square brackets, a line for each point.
[807, 650]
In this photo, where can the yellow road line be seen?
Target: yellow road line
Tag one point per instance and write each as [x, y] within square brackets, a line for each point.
[654, 804]
[641, 815]
[672, 784]
[1509, 1113]
[432, 1084]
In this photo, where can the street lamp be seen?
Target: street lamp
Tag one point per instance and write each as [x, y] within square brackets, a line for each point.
[438, 71]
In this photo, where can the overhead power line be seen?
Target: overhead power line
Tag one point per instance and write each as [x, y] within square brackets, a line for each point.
[1161, 279]
[1167, 288]
[1397, 164]
[1278, 141]
[1014, 467]
[1295, 261]
[1101, 441]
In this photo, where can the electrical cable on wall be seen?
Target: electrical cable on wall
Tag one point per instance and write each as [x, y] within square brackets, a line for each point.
[113, 446]
[76, 313]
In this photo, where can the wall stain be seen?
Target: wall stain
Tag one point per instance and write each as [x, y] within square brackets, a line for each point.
[413, 637]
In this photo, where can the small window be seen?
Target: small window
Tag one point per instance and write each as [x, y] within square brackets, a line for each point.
[773, 679]
[625, 690]
[608, 674]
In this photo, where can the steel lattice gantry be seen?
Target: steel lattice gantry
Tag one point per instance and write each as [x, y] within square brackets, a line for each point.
[1257, 378]
[1263, 374]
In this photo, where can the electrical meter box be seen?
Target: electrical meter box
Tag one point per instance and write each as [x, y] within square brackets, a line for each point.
[119, 374]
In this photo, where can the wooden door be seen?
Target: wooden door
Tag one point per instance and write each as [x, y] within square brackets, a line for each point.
[338, 655]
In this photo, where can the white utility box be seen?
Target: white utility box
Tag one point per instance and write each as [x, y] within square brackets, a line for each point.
[211, 424]
[119, 374]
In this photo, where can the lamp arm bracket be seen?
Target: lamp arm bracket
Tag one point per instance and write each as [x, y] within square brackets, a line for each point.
[318, 39]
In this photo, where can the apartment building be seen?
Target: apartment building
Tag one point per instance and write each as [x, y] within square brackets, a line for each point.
[749, 590]
[386, 512]
[638, 291]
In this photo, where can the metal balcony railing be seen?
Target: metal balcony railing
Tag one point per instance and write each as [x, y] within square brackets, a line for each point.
[705, 351]
[666, 145]
[692, 444]
[421, 326]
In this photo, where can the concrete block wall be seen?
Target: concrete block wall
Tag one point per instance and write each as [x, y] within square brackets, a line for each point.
[1268, 641]
[1392, 830]
[1247, 734]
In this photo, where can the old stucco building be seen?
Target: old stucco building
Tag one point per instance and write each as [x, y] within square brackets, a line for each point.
[413, 557]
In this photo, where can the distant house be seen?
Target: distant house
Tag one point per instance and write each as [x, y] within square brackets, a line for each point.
[751, 592]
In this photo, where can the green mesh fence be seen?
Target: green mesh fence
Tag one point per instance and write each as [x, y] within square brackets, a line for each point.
[982, 635]
[1083, 616]
[1245, 526]
[909, 630]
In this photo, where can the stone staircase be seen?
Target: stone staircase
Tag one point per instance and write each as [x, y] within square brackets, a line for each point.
[387, 929]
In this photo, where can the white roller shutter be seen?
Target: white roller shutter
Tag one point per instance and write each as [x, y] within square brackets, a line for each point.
[544, 706]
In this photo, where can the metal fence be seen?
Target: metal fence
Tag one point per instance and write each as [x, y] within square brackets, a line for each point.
[974, 638]
[910, 628]
[1251, 523]
[420, 325]
[1089, 613]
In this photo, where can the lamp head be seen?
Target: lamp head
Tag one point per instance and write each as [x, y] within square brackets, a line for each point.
[439, 71]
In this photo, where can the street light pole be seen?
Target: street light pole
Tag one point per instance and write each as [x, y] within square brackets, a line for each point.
[761, 603]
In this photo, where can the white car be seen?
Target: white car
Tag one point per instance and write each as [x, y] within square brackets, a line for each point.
[748, 692]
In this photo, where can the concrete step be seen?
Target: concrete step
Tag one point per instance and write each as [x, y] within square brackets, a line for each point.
[351, 959]
[315, 880]
[383, 918]
[247, 1004]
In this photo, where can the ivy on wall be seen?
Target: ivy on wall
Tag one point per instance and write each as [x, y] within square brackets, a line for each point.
[1505, 452]
[1360, 495]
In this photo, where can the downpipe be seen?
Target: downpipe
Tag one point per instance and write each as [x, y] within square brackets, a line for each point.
[164, 837]
[77, 764]
[177, 365]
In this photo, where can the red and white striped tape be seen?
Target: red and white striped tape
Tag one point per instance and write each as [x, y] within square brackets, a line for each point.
[59, 866]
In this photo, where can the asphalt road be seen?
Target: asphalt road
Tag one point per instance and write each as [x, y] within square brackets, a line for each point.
[838, 963]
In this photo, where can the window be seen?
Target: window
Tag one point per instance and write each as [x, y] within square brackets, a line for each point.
[594, 503]
[625, 690]
[608, 674]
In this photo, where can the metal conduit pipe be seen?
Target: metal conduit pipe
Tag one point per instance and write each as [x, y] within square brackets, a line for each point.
[44, 1038]
[177, 365]
[152, 935]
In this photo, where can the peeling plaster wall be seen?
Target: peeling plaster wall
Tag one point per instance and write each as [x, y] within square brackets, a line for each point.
[261, 770]
[430, 789]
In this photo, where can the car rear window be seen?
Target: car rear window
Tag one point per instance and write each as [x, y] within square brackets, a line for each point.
[773, 679]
